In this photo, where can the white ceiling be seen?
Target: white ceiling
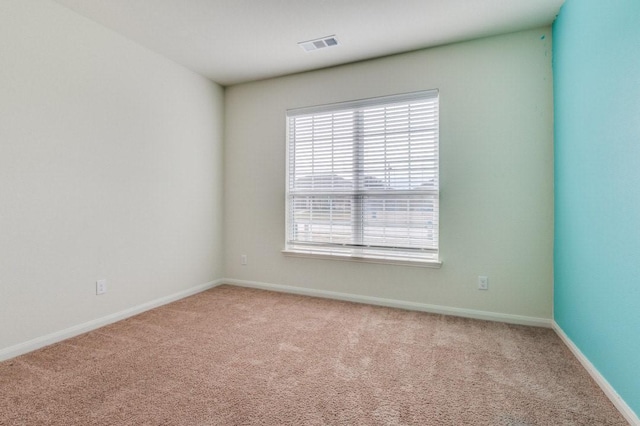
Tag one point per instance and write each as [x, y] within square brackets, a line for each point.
[233, 41]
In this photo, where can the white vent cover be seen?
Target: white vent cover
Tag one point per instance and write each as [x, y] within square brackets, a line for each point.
[319, 43]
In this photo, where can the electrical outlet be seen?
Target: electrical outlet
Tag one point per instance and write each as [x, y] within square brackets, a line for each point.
[243, 259]
[483, 283]
[101, 286]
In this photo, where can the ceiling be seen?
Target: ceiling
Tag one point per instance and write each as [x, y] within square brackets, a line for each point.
[234, 41]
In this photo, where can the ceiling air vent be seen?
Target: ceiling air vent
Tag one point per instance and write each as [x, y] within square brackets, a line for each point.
[319, 43]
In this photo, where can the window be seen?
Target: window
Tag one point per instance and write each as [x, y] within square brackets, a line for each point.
[362, 179]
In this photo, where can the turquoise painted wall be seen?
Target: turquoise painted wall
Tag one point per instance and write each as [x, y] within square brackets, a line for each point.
[597, 186]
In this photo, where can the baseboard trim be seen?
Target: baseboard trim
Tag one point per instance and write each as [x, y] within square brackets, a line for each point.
[58, 336]
[392, 303]
[608, 390]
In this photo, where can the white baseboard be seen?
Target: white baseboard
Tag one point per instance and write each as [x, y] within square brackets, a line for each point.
[58, 336]
[608, 390]
[392, 303]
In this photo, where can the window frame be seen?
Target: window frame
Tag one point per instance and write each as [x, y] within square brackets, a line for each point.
[351, 252]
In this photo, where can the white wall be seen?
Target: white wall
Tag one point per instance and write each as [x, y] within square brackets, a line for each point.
[110, 167]
[496, 172]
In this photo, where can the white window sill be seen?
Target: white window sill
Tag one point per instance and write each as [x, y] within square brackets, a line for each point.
[350, 258]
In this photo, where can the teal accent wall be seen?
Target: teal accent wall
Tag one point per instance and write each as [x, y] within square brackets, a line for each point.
[597, 186]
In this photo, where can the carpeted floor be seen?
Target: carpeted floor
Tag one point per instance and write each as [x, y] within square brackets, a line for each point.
[236, 356]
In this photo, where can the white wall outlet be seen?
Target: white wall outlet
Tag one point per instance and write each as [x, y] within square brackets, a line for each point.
[483, 283]
[243, 259]
[101, 286]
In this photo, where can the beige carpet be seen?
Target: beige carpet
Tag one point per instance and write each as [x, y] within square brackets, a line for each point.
[234, 356]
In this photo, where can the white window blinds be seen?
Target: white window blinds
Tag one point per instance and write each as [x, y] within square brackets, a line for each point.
[362, 178]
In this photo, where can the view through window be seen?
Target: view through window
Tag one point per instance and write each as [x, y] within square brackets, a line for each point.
[362, 178]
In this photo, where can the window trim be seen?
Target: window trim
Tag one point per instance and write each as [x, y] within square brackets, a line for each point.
[363, 103]
[428, 263]
[351, 254]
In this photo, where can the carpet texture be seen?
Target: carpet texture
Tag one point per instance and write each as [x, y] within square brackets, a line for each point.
[236, 356]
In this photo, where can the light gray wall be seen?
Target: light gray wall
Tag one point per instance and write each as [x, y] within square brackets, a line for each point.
[110, 167]
[496, 173]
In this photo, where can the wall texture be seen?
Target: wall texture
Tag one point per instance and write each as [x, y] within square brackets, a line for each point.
[496, 173]
[110, 167]
[597, 237]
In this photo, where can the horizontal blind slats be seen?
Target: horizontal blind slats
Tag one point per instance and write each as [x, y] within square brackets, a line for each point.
[366, 178]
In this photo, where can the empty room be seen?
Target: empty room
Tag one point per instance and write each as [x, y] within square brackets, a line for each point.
[332, 212]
